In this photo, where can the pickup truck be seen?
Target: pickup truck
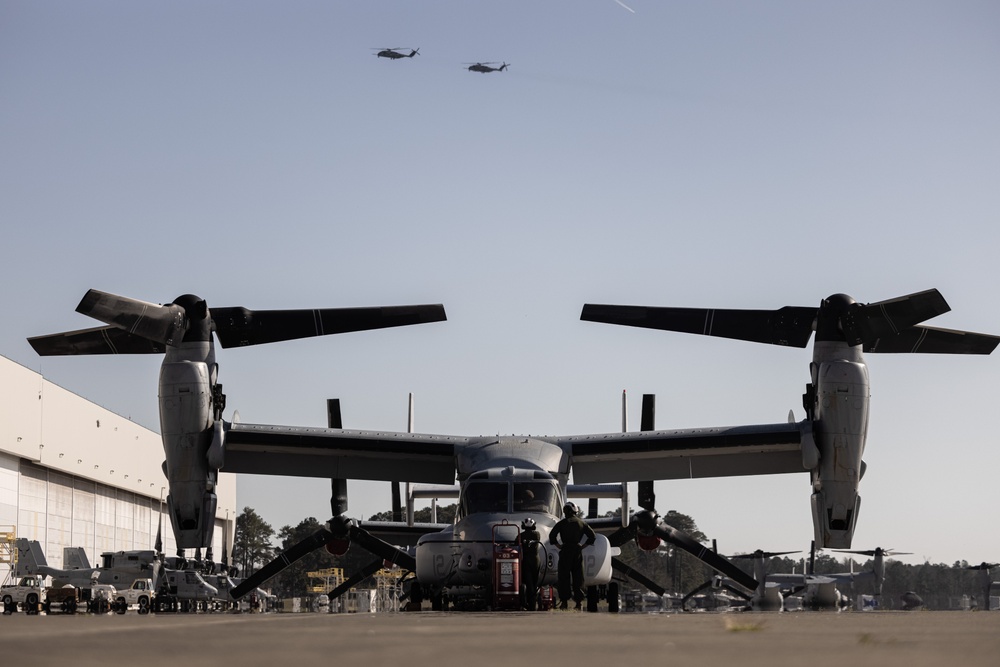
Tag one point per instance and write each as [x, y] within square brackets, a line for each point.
[27, 592]
[139, 594]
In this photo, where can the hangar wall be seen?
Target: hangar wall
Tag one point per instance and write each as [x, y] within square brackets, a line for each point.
[74, 474]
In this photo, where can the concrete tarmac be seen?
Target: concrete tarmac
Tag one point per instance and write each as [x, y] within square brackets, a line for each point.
[885, 639]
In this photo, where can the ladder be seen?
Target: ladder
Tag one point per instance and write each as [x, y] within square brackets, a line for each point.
[8, 552]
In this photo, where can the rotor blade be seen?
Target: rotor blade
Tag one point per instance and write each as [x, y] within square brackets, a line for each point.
[873, 552]
[791, 325]
[383, 549]
[355, 579]
[637, 576]
[158, 545]
[701, 552]
[237, 326]
[762, 554]
[694, 592]
[928, 340]
[164, 324]
[647, 422]
[283, 560]
[868, 322]
[736, 591]
[102, 340]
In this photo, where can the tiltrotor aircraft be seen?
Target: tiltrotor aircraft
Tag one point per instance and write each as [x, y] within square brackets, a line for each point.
[495, 471]
[505, 479]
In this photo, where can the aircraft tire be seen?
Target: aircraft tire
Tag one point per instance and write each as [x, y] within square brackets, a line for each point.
[614, 600]
[592, 596]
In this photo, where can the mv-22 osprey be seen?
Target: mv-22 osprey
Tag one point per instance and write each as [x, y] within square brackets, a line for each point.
[496, 473]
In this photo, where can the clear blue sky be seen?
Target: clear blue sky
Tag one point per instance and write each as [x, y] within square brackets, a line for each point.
[716, 154]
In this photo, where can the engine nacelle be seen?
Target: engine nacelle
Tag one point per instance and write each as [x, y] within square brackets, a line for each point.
[839, 431]
[185, 398]
[186, 424]
[597, 562]
[192, 514]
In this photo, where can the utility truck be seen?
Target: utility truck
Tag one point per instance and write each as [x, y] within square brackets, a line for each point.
[27, 592]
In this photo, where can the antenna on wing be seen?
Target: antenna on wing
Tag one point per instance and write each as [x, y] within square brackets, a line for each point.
[624, 412]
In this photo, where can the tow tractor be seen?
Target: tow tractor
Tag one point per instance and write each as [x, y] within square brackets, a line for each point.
[27, 592]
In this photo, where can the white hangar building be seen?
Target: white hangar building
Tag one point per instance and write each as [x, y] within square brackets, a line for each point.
[74, 474]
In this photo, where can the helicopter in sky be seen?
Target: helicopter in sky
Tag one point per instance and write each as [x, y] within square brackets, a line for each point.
[486, 68]
[396, 53]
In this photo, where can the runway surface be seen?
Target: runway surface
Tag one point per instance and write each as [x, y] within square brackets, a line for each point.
[885, 639]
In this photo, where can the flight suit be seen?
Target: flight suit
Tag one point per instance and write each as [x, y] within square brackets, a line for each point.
[530, 563]
[571, 529]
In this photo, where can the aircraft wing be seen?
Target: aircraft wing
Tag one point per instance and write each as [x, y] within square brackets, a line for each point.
[840, 578]
[688, 453]
[605, 525]
[337, 453]
[785, 580]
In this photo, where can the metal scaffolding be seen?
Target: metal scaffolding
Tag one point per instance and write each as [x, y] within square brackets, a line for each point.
[8, 551]
[387, 589]
[331, 578]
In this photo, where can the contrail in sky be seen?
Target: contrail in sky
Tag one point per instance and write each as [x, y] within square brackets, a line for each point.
[625, 6]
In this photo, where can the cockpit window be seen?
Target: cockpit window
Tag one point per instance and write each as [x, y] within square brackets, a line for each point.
[536, 497]
[484, 497]
[494, 496]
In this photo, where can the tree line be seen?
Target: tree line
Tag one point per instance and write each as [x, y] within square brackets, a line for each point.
[939, 585]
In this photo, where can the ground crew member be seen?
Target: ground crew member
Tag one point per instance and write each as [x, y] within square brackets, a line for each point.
[566, 536]
[530, 546]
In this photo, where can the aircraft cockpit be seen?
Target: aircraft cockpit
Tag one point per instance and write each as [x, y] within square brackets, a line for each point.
[514, 491]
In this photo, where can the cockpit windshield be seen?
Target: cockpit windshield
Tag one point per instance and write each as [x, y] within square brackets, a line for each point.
[504, 496]
[484, 497]
[536, 496]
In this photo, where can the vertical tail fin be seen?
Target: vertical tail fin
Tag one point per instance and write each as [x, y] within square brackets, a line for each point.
[29, 557]
[75, 558]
